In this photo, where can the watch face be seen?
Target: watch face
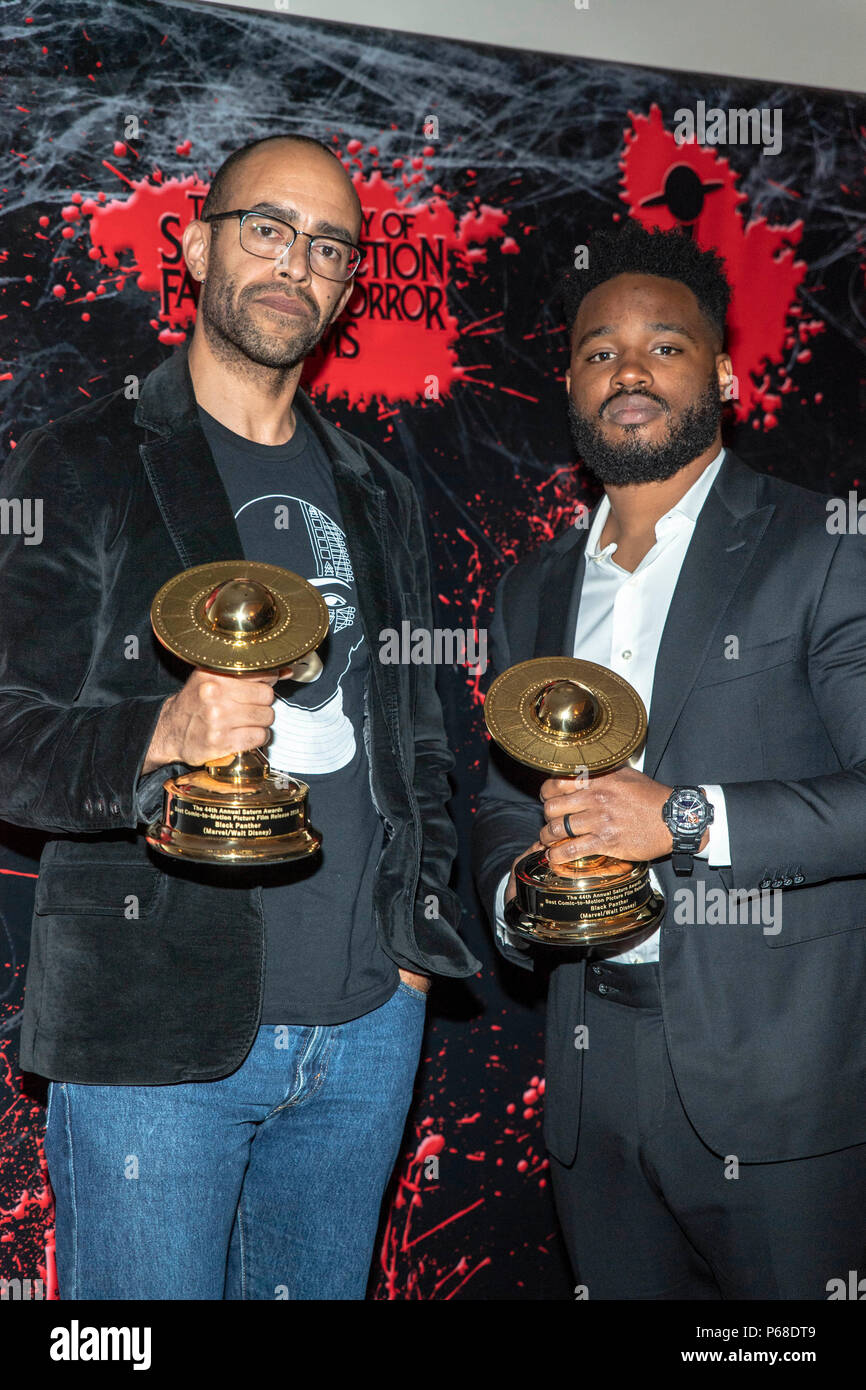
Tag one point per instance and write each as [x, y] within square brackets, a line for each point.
[689, 811]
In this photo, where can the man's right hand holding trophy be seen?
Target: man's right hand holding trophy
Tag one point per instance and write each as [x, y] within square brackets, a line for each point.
[585, 881]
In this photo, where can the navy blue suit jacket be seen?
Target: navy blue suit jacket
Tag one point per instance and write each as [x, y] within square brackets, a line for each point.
[766, 1029]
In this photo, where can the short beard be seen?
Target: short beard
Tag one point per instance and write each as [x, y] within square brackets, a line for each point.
[633, 461]
[233, 334]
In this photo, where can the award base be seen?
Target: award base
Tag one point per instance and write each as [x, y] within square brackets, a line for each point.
[594, 902]
[233, 811]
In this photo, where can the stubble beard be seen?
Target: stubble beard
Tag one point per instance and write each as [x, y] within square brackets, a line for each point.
[633, 460]
[234, 335]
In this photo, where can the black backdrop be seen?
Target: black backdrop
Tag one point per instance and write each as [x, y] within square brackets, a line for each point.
[487, 167]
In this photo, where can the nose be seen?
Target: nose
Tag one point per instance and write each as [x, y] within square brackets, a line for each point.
[294, 261]
[631, 371]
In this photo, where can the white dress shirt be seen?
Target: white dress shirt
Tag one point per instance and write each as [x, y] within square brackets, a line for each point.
[620, 623]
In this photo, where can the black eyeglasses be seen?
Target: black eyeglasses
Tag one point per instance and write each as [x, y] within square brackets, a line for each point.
[269, 237]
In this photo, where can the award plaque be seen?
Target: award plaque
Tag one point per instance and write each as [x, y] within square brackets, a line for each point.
[568, 718]
[233, 617]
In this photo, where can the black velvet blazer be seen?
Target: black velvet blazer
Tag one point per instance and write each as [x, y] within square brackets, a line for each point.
[131, 495]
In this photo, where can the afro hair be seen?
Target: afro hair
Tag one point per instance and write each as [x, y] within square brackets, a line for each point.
[635, 251]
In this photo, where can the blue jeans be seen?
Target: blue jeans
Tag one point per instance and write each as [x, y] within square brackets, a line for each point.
[265, 1184]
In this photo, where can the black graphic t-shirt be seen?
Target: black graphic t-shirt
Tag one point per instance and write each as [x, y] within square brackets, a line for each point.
[324, 961]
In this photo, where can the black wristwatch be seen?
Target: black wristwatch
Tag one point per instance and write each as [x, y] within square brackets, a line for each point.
[686, 813]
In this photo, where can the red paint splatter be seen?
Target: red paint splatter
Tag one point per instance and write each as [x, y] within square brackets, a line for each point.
[759, 257]
[27, 1223]
[147, 225]
[397, 339]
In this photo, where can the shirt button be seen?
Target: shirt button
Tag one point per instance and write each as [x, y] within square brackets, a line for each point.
[626, 655]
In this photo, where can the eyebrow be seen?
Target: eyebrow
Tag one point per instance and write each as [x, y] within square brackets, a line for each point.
[675, 328]
[606, 329]
[319, 228]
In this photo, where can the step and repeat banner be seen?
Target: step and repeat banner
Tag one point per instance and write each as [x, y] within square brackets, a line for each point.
[483, 173]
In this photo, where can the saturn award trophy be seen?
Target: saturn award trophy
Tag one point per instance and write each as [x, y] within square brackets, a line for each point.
[569, 717]
[233, 617]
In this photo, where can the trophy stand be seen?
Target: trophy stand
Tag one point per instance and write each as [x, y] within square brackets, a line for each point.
[568, 717]
[231, 619]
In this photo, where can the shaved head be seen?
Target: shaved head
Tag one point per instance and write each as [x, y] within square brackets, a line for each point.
[219, 198]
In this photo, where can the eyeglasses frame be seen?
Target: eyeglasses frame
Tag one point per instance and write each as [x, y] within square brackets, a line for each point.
[243, 213]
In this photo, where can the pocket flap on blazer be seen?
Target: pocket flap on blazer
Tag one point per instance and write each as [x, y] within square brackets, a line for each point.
[815, 929]
[750, 660]
[97, 890]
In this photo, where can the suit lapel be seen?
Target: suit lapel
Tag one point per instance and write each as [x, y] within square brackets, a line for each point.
[559, 600]
[181, 468]
[363, 509]
[727, 533]
[196, 510]
[192, 499]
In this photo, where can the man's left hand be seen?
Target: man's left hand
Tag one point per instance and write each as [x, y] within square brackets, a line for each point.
[618, 814]
[422, 982]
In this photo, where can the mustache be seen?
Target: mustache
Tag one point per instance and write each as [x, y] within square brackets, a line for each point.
[621, 395]
[301, 298]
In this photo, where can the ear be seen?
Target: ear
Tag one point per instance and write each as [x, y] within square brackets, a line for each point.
[196, 248]
[725, 374]
[568, 380]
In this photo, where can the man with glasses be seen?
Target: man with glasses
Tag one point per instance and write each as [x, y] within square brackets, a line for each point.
[231, 1051]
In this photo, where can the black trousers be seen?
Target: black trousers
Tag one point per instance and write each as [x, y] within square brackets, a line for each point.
[649, 1212]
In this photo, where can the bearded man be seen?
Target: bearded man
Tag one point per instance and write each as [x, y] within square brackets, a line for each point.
[704, 1089]
[232, 1060]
